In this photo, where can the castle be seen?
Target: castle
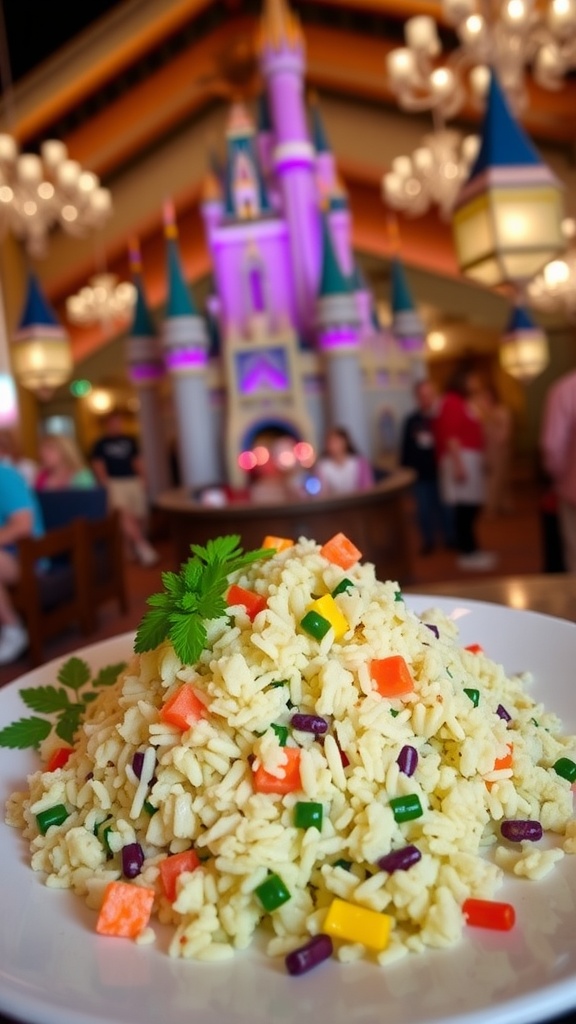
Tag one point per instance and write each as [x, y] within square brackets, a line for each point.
[296, 345]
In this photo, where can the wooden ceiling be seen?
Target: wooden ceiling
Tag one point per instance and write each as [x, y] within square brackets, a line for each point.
[124, 91]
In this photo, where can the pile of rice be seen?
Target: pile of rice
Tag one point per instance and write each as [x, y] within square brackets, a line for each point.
[201, 780]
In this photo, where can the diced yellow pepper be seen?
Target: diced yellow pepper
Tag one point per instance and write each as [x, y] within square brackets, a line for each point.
[326, 607]
[280, 543]
[357, 924]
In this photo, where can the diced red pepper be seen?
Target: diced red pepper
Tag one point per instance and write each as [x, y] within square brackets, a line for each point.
[392, 676]
[341, 551]
[253, 603]
[475, 648]
[264, 782]
[183, 708]
[173, 866]
[489, 914]
[58, 758]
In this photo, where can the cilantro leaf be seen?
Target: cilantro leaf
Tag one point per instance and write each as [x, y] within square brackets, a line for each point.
[153, 629]
[107, 676]
[67, 725]
[45, 699]
[193, 596]
[74, 673]
[26, 732]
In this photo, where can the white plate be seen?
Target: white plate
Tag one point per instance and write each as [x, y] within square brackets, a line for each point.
[54, 969]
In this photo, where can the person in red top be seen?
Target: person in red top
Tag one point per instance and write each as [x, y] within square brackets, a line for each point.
[460, 446]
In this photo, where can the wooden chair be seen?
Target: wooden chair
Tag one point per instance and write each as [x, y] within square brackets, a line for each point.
[48, 594]
[102, 566]
[66, 575]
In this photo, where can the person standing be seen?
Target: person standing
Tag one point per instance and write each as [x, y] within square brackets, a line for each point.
[418, 452]
[558, 448]
[117, 465]
[460, 445]
[20, 517]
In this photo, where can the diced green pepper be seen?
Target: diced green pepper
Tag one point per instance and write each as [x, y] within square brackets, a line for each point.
[342, 587]
[473, 694]
[315, 625]
[308, 814]
[51, 816]
[405, 808]
[281, 732]
[272, 893]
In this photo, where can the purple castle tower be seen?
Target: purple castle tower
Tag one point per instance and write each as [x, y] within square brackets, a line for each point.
[290, 304]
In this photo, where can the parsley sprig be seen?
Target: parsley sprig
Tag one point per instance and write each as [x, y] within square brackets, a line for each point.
[63, 705]
[193, 596]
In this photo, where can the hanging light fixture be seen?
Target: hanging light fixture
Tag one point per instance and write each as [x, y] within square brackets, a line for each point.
[524, 348]
[104, 300]
[41, 354]
[432, 175]
[507, 218]
[38, 192]
[553, 290]
[510, 37]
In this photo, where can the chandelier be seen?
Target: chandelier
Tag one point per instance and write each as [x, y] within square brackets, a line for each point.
[38, 192]
[508, 37]
[432, 174]
[103, 300]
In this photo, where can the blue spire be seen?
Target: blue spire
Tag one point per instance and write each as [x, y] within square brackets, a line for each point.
[319, 137]
[503, 140]
[37, 311]
[332, 279]
[401, 296]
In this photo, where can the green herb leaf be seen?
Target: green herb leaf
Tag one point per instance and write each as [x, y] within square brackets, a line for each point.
[107, 676]
[68, 722]
[74, 673]
[26, 732]
[193, 596]
[45, 699]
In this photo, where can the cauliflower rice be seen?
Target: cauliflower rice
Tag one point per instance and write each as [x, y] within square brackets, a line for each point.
[196, 787]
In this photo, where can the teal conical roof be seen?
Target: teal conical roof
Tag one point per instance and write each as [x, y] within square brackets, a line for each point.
[333, 281]
[319, 137]
[142, 322]
[503, 140]
[401, 297]
[37, 311]
[180, 301]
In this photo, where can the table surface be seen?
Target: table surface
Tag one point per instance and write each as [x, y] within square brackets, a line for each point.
[550, 594]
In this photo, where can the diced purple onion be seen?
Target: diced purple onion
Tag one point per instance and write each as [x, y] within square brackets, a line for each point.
[516, 831]
[132, 859]
[502, 713]
[138, 763]
[433, 628]
[407, 760]
[306, 957]
[400, 860]
[309, 723]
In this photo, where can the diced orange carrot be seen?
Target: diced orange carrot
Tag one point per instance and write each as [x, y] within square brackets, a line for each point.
[506, 761]
[183, 708]
[125, 910]
[252, 602]
[173, 866]
[264, 782]
[341, 551]
[392, 676]
[279, 543]
[501, 762]
[58, 758]
[475, 648]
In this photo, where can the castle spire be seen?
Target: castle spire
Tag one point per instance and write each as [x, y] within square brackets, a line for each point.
[279, 27]
[180, 301]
